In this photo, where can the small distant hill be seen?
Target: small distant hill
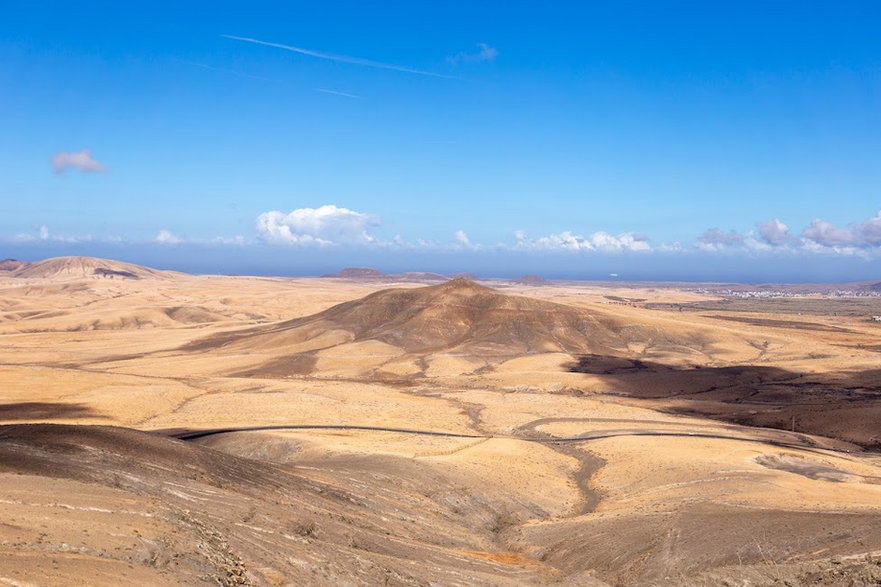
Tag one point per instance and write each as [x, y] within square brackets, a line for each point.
[11, 265]
[357, 273]
[531, 280]
[370, 274]
[420, 276]
[86, 267]
[463, 275]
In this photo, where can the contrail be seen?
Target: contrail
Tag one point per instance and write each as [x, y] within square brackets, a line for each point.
[341, 58]
[336, 93]
[224, 70]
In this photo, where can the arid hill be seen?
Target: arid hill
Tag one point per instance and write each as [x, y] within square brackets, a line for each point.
[356, 273]
[457, 315]
[531, 280]
[370, 274]
[465, 325]
[82, 267]
[120, 506]
[12, 265]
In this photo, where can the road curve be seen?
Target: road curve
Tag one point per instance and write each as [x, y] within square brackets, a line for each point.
[599, 435]
[204, 433]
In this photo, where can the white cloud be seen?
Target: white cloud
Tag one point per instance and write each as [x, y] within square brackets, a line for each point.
[60, 238]
[484, 53]
[44, 234]
[623, 242]
[861, 239]
[82, 160]
[598, 241]
[674, 247]
[751, 243]
[326, 225]
[810, 246]
[463, 241]
[774, 232]
[868, 233]
[714, 239]
[166, 237]
[826, 234]
[234, 240]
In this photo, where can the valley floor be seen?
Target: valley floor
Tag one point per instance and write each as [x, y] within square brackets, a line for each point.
[196, 430]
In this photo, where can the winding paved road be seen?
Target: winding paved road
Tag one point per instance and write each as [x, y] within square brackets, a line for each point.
[525, 438]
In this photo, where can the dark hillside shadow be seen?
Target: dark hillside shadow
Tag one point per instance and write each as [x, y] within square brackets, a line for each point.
[845, 405]
[24, 411]
[653, 380]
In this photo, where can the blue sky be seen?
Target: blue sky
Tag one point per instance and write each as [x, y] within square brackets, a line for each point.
[689, 140]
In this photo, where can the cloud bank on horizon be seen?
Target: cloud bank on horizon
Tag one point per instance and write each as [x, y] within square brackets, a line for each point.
[861, 238]
[331, 226]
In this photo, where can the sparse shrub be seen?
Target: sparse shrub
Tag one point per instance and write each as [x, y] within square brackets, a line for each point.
[503, 520]
[305, 528]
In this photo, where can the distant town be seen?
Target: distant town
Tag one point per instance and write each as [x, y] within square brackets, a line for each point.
[786, 293]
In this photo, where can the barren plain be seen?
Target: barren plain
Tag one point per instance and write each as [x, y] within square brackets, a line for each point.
[163, 428]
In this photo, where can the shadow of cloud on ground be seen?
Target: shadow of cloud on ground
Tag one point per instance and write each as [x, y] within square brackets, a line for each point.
[27, 411]
[845, 405]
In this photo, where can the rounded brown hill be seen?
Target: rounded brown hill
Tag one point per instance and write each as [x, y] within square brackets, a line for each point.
[12, 265]
[459, 315]
[357, 273]
[82, 267]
